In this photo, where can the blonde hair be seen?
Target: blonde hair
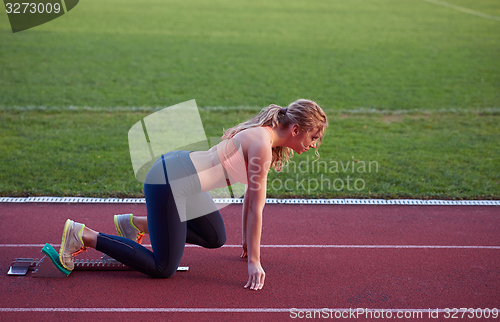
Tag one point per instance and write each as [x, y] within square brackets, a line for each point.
[305, 113]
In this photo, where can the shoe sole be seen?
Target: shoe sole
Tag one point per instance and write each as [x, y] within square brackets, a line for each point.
[65, 232]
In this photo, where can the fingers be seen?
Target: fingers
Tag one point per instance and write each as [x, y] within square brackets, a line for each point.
[248, 283]
[256, 282]
[261, 284]
[244, 253]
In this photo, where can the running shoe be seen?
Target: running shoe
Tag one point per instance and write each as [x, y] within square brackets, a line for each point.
[126, 228]
[72, 243]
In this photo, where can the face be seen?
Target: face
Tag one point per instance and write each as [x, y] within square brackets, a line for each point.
[305, 140]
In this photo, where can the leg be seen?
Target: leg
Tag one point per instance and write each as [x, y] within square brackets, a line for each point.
[167, 231]
[141, 223]
[167, 235]
[89, 237]
[205, 230]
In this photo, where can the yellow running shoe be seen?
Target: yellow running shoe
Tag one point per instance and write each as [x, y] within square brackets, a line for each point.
[126, 228]
[71, 244]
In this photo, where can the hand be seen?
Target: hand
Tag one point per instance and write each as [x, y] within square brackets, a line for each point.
[244, 254]
[256, 276]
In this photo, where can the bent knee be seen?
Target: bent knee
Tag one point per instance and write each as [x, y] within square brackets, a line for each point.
[216, 243]
[165, 273]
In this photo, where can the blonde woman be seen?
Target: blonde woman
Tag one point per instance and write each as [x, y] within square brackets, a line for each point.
[179, 208]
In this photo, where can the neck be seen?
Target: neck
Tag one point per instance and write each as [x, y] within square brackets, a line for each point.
[280, 137]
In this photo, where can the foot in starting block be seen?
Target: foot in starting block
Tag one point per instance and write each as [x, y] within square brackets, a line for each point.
[50, 265]
[44, 267]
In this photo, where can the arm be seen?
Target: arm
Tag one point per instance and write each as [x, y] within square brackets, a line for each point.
[259, 160]
[244, 217]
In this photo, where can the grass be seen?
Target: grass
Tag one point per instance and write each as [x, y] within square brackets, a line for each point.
[435, 155]
[384, 54]
[410, 85]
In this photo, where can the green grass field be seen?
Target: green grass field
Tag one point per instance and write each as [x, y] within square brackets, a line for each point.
[410, 85]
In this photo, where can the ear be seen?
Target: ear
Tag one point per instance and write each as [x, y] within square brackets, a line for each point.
[295, 130]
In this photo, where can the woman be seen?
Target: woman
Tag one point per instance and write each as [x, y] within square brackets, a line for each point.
[179, 208]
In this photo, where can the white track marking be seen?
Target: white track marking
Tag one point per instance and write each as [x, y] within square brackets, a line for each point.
[405, 202]
[462, 9]
[207, 310]
[312, 246]
[148, 109]
[359, 110]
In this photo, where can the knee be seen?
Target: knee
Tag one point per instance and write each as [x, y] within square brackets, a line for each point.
[221, 241]
[216, 243]
[163, 274]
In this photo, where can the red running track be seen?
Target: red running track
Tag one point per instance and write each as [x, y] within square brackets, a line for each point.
[315, 256]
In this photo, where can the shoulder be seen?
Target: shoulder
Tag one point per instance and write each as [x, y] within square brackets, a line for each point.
[255, 143]
[254, 136]
[258, 148]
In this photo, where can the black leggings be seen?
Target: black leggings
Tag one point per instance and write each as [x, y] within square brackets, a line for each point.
[168, 234]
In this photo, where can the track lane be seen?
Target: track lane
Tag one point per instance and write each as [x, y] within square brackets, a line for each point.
[37, 223]
[298, 277]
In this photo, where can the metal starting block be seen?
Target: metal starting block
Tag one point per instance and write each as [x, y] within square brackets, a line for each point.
[49, 265]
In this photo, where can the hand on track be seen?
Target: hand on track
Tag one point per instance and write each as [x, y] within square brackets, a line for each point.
[256, 276]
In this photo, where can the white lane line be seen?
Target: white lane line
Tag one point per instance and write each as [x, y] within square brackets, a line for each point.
[359, 110]
[469, 11]
[376, 246]
[359, 311]
[314, 246]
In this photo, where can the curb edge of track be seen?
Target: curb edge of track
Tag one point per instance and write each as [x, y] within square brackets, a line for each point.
[412, 202]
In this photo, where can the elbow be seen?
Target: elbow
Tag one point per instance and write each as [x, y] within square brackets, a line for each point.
[254, 211]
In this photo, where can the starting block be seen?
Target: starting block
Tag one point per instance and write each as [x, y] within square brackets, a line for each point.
[50, 266]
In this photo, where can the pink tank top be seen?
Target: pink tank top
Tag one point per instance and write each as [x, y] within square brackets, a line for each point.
[232, 160]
